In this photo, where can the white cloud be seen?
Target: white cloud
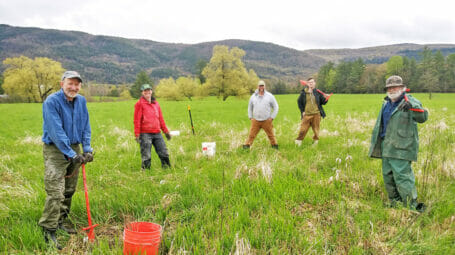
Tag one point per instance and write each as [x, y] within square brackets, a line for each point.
[297, 24]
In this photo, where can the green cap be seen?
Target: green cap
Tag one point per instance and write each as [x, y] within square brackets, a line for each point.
[145, 86]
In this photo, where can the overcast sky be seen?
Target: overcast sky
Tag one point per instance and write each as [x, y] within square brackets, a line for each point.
[299, 24]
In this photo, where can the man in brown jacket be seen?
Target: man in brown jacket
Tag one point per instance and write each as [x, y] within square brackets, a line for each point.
[310, 104]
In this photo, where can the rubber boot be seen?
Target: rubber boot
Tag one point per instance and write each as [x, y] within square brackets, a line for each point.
[146, 164]
[50, 235]
[165, 163]
[67, 228]
[421, 207]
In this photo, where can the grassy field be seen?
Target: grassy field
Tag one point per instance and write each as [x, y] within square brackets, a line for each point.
[296, 200]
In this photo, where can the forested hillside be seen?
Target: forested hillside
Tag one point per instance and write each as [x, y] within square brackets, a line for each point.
[114, 60]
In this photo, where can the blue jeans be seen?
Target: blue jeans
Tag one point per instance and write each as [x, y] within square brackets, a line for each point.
[146, 142]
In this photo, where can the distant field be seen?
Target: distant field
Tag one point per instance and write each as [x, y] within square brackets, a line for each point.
[292, 201]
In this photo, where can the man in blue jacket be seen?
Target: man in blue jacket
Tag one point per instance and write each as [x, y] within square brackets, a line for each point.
[65, 127]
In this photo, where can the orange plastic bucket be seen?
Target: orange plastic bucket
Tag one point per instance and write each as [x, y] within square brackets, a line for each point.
[141, 238]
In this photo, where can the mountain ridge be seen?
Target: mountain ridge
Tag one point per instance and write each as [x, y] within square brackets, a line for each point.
[110, 59]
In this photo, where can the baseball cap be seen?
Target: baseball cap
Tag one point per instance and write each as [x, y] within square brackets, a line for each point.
[145, 86]
[261, 83]
[71, 75]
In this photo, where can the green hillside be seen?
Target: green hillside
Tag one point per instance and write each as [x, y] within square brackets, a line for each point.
[106, 59]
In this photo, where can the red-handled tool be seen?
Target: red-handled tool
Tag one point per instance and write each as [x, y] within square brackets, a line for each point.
[90, 228]
[407, 100]
[304, 83]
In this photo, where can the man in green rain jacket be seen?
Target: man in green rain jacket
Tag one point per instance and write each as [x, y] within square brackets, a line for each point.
[396, 140]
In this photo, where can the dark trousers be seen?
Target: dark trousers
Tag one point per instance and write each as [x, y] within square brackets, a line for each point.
[399, 181]
[146, 142]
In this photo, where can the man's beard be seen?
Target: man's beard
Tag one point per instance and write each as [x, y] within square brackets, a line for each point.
[394, 95]
[71, 94]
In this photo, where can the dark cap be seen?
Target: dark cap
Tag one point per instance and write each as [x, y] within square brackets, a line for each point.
[71, 75]
[145, 86]
[394, 81]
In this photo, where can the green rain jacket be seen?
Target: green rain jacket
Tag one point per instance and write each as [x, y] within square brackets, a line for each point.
[401, 140]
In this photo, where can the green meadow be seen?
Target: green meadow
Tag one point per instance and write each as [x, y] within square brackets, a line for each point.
[297, 200]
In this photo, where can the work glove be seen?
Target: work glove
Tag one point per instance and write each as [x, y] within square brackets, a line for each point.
[168, 136]
[88, 156]
[138, 140]
[78, 159]
[405, 106]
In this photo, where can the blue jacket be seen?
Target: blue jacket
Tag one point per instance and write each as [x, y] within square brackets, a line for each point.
[66, 123]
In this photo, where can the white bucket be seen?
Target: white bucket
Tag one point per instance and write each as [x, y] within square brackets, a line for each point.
[208, 149]
[174, 133]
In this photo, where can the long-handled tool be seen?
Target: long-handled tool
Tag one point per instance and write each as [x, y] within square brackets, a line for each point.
[325, 95]
[90, 228]
[191, 119]
[304, 83]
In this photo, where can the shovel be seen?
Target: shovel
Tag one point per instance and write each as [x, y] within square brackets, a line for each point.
[90, 228]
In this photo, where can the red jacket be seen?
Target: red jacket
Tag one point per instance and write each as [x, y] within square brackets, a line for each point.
[148, 117]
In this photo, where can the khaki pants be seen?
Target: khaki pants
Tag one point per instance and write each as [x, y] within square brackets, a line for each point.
[307, 121]
[60, 181]
[256, 125]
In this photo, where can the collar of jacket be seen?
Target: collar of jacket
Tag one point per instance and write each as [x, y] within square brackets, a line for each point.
[305, 89]
[143, 100]
[386, 98]
[400, 101]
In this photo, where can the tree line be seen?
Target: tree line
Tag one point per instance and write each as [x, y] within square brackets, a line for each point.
[432, 73]
[225, 75]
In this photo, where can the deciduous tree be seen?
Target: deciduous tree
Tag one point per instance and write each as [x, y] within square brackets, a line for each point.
[1, 84]
[395, 66]
[187, 86]
[167, 88]
[32, 80]
[226, 74]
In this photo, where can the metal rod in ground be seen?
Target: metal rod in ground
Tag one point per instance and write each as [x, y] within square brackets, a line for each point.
[191, 118]
[90, 228]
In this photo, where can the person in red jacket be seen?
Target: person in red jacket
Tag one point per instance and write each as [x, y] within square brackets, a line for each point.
[148, 124]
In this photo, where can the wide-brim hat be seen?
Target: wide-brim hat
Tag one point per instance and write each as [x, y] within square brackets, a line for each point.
[394, 81]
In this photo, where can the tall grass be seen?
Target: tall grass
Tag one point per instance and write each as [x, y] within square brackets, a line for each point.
[291, 201]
